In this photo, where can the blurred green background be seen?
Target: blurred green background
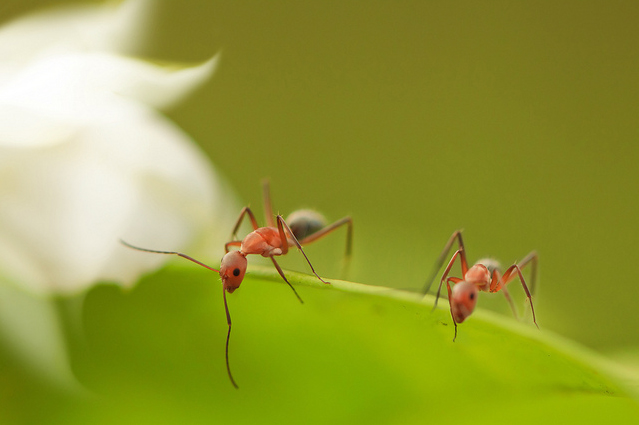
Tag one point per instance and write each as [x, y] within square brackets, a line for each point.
[516, 121]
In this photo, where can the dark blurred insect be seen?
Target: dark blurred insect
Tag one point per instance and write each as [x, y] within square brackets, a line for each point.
[303, 227]
[485, 276]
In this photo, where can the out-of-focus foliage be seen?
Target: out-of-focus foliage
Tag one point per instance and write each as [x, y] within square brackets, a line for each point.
[350, 353]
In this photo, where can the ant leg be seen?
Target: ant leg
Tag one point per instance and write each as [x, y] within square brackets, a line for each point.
[440, 260]
[266, 197]
[460, 251]
[510, 275]
[494, 283]
[510, 301]
[245, 210]
[329, 229]
[232, 243]
[281, 225]
[169, 252]
[281, 272]
[228, 337]
[531, 258]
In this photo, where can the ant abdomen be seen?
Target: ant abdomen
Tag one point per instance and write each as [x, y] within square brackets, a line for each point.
[490, 263]
[305, 222]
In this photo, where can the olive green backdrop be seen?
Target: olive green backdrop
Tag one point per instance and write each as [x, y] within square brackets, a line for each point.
[516, 121]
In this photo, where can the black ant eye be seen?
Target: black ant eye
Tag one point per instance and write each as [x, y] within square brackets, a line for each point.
[236, 272]
[472, 295]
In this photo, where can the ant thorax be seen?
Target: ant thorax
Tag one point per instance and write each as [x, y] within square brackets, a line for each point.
[305, 222]
[478, 275]
[264, 241]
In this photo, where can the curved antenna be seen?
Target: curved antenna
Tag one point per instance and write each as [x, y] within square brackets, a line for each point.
[169, 252]
[228, 337]
[226, 308]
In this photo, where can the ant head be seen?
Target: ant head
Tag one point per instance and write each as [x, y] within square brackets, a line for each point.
[464, 300]
[305, 222]
[232, 270]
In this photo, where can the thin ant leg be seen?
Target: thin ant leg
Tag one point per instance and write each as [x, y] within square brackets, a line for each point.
[228, 337]
[268, 209]
[329, 229]
[531, 258]
[498, 283]
[169, 252]
[495, 278]
[281, 225]
[460, 252]
[508, 276]
[281, 272]
[232, 243]
[245, 210]
[440, 260]
[494, 281]
[510, 302]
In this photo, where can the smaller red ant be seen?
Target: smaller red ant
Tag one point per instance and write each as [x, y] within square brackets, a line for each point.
[485, 276]
[306, 226]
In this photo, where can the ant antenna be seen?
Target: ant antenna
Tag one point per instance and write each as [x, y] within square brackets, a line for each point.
[228, 337]
[169, 252]
[226, 308]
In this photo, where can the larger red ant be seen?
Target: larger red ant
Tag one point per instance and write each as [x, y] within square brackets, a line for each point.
[305, 226]
[485, 276]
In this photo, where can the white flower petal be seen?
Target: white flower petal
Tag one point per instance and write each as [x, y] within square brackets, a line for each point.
[75, 28]
[23, 126]
[84, 161]
[66, 83]
[66, 206]
[161, 87]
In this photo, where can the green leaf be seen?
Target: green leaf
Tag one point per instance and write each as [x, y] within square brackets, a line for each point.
[350, 353]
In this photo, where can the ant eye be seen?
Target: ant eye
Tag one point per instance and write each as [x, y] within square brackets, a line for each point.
[236, 272]
[472, 295]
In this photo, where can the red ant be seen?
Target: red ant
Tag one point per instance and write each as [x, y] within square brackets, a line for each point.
[485, 276]
[306, 226]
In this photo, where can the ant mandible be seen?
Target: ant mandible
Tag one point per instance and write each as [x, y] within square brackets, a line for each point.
[485, 276]
[306, 226]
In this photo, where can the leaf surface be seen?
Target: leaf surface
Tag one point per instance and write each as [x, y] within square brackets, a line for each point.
[350, 353]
